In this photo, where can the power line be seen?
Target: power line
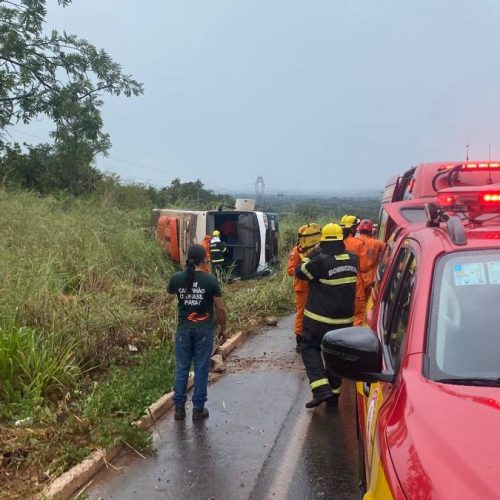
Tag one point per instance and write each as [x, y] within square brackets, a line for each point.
[125, 162]
[144, 167]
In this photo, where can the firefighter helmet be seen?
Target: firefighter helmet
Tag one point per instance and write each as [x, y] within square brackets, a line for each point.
[332, 232]
[216, 234]
[366, 225]
[349, 221]
[308, 236]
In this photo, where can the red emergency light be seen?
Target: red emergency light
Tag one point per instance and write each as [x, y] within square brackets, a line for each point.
[472, 196]
[480, 166]
[472, 166]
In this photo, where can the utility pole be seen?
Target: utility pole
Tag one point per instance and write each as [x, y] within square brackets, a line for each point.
[260, 187]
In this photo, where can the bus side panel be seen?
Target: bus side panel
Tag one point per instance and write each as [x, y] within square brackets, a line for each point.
[167, 235]
[272, 234]
[192, 229]
[248, 235]
[173, 236]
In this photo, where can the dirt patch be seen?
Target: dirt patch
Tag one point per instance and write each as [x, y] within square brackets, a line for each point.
[282, 362]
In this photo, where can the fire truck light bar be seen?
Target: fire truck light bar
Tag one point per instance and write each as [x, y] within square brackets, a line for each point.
[468, 197]
[472, 166]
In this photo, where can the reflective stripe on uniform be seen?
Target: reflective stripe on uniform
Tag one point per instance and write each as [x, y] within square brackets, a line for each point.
[305, 271]
[339, 281]
[342, 256]
[217, 256]
[319, 383]
[336, 391]
[329, 321]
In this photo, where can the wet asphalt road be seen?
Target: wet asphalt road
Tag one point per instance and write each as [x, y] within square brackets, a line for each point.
[259, 442]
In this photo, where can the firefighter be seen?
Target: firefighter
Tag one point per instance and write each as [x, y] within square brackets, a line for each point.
[356, 246]
[371, 257]
[332, 277]
[206, 245]
[307, 239]
[217, 251]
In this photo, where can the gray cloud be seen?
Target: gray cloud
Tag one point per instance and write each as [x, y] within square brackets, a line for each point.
[319, 95]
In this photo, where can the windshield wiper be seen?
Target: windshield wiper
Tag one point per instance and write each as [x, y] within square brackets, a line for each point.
[486, 382]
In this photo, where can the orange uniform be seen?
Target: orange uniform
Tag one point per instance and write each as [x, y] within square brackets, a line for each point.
[300, 287]
[369, 260]
[357, 247]
[206, 245]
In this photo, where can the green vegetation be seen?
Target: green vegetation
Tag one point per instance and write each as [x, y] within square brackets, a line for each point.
[327, 208]
[82, 286]
[79, 282]
[57, 75]
[86, 326]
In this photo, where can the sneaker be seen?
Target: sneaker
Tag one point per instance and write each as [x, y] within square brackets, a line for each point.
[180, 413]
[200, 414]
[317, 400]
[333, 402]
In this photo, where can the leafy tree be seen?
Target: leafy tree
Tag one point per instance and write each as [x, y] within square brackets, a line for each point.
[193, 195]
[48, 169]
[58, 75]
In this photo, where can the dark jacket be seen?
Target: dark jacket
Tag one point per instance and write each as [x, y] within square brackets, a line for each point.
[217, 251]
[332, 287]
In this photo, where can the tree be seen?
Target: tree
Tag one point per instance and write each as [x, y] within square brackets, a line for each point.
[58, 75]
[193, 194]
[48, 169]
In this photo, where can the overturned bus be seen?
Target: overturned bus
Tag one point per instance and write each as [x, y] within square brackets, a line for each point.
[251, 237]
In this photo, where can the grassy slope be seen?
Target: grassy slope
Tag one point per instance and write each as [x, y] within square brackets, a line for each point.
[79, 283]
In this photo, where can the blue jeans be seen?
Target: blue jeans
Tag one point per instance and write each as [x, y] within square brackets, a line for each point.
[195, 344]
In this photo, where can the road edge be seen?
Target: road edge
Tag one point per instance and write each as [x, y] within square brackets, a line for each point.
[80, 475]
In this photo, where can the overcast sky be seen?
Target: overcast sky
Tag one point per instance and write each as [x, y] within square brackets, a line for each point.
[317, 95]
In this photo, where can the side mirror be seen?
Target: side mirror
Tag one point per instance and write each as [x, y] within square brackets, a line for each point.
[355, 353]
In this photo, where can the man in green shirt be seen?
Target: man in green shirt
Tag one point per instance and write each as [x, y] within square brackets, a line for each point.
[197, 293]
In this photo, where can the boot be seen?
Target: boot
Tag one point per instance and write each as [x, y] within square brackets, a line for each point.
[199, 414]
[180, 413]
[333, 402]
[318, 399]
[298, 347]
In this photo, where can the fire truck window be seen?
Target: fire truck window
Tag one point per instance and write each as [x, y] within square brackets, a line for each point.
[382, 224]
[384, 261]
[397, 303]
[393, 285]
[413, 215]
[399, 321]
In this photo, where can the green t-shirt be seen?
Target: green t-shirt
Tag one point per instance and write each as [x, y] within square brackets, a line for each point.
[196, 305]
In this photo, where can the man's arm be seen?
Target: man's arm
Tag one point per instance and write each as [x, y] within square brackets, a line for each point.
[309, 269]
[221, 314]
[293, 261]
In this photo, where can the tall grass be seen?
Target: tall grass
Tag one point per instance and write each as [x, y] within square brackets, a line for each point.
[81, 281]
[76, 268]
[33, 365]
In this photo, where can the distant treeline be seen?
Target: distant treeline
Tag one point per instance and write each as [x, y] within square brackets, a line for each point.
[308, 208]
[49, 169]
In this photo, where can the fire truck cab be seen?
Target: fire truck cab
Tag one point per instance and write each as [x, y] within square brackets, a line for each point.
[423, 181]
[426, 361]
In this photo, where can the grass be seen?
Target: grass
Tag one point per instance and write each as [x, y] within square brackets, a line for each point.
[32, 366]
[80, 282]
